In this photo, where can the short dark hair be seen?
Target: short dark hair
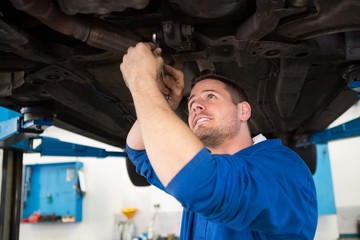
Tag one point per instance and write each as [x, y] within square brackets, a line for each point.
[236, 91]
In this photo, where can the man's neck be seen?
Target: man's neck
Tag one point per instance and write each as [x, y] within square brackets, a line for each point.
[232, 146]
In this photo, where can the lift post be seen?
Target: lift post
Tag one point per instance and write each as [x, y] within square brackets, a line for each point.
[15, 128]
[20, 134]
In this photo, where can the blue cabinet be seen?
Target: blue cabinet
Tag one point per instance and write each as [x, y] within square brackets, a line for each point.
[52, 192]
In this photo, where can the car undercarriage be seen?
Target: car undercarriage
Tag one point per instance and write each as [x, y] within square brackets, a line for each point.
[294, 58]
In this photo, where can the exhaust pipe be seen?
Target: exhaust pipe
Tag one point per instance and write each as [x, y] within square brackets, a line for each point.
[97, 35]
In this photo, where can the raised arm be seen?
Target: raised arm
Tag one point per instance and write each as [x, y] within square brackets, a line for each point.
[174, 82]
[169, 142]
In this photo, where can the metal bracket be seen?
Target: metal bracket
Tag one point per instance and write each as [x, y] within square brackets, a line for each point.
[178, 36]
[21, 128]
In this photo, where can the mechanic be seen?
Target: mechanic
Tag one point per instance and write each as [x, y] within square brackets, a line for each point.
[231, 186]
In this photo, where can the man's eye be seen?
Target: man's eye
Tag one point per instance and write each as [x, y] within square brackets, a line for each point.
[211, 96]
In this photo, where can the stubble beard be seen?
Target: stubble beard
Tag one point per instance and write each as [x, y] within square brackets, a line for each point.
[214, 137]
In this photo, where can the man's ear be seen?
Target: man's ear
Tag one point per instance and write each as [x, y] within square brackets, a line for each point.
[244, 110]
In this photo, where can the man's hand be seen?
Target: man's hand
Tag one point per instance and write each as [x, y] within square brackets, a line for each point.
[144, 60]
[174, 81]
[140, 61]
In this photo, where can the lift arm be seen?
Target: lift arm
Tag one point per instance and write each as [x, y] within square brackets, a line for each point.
[22, 133]
[345, 130]
[54, 147]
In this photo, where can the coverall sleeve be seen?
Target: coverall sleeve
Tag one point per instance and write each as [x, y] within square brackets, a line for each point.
[270, 193]
[143, 167]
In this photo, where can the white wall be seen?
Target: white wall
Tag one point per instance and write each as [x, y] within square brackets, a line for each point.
[345, 164]
[345, 168]
[109, 190]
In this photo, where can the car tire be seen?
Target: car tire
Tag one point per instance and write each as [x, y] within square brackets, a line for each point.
[135, 178]
[308, 154]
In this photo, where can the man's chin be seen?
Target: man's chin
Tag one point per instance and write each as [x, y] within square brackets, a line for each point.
[202, 136]
[200, 133]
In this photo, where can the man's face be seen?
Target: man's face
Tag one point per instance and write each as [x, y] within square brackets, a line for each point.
[213, 117]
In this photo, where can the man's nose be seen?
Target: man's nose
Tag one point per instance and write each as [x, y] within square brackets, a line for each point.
[197, 106]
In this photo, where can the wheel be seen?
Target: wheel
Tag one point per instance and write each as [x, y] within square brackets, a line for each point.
[308, 154]
[135, 178]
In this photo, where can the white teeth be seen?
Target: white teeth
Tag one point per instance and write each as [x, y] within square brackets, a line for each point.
[202, 120]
